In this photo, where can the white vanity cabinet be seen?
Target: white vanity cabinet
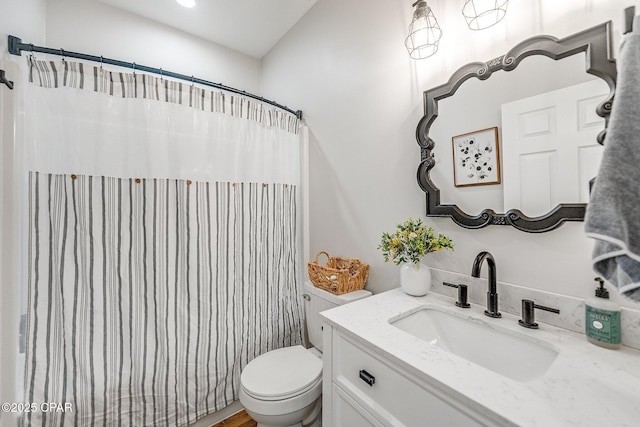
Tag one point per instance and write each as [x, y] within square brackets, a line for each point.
[362, 388]
[378, 374]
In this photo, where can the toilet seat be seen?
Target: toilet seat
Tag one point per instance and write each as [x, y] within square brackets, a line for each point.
[281, 374]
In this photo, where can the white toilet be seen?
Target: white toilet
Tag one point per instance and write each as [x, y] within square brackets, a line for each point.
[283, 387]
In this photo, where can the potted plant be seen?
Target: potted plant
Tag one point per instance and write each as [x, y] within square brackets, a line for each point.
[406, 247]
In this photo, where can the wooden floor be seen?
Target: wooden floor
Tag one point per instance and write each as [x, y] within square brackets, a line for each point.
[241, 419]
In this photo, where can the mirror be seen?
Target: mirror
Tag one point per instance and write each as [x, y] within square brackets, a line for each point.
[510, 108]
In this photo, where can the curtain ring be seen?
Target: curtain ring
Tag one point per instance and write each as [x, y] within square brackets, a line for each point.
[161, 74]
[192, 84]
[134, 69]
[101, 61]
[62, 53]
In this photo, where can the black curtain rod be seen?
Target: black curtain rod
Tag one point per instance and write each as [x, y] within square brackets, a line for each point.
[16, 47]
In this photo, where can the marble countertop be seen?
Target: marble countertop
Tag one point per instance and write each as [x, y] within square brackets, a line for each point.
[585, 386]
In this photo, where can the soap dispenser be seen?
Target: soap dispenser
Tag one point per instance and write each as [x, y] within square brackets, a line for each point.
[602, 319]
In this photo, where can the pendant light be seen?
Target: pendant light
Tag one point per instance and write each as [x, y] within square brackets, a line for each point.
[481, 14]
[424, 32]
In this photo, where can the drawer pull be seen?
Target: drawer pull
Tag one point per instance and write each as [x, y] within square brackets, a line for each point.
[367, 377]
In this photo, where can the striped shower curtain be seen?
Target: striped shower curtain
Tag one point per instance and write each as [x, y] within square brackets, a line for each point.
[152, 284]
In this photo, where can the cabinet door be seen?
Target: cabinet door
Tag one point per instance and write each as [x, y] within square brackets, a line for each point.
[392, 396]
[346, 412]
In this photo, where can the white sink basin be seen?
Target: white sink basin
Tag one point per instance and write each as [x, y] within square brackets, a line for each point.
[505, 352]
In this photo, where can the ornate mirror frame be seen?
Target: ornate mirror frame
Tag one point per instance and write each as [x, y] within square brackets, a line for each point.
[596, 43]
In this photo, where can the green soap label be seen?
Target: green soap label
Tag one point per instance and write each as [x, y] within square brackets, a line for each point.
[603, 325]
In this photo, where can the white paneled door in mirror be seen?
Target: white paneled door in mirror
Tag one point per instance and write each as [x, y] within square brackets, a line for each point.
[550, 152]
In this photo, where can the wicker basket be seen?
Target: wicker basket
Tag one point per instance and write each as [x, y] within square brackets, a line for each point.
[340, 275]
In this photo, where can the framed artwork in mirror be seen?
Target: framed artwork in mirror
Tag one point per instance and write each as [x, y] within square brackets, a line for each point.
[476, 158]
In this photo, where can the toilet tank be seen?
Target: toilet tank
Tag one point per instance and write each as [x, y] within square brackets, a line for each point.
[317, 300]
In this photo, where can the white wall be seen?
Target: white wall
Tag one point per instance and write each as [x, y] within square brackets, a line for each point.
[9, 240]
[92, 27]
[18, 17]
[346, 67]
[21, 18]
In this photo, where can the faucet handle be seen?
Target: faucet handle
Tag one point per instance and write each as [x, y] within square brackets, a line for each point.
[528, 313]
[462, 294]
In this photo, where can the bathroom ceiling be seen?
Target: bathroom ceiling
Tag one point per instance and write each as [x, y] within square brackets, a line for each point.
[252, 27]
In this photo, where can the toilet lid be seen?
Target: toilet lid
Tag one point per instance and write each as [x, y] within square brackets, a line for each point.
[281, 373]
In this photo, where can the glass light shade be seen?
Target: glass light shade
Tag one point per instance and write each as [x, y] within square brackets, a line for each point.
[424, 32]
[481, 14]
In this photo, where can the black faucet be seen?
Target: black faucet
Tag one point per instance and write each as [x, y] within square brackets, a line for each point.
[492, 294]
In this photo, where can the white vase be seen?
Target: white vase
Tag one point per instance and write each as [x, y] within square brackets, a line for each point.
[415, 279]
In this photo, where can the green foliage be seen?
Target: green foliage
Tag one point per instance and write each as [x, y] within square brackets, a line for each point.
[411, 241]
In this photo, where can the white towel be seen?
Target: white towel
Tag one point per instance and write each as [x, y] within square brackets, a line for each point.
[613, 213]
